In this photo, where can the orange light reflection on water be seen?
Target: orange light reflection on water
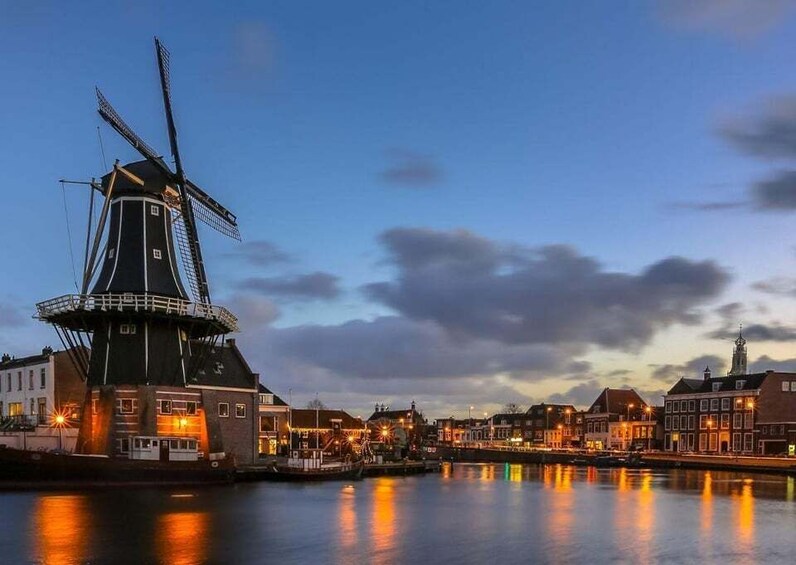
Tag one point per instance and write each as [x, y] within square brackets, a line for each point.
[60, 530]
[745, 508]
[348, 520]
[383, 519]
[181, 537]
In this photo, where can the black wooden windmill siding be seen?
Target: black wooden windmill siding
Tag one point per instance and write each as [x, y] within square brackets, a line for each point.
[140, 324]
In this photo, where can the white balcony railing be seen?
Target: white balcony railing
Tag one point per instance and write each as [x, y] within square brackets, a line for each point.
[128, 302]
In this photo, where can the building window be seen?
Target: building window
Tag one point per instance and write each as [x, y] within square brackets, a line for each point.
[683, 422]
[123, 445]
[42, 410]
[675, 423]
[737, 420]
[739, 385]
[266, 399]
[30, 380]
[747, 420]
[703, 442]
[725, 421]
[240, 410]
[793, 386]
[164, 406]
[9, 382]
[703, 405]
[126, 405]
[190, 408]
[725, 403]
[714, 404]
[684, 406]
[713, 442]
[675, 406]
[764, 430]
[157, 254]
[19, 380]
[154, 209]
[223, 409]
[785, 386]
[43, 378]
[691, 421]
[736, 442]
[128, 329]
[668, 407]
[703, 423]
[667, 423]
[716, 387]
[748, 442]
[691, 405]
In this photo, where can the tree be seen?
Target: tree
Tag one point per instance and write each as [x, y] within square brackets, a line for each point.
[512, 408]
[316, 404]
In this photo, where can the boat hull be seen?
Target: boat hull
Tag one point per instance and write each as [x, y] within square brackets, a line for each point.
[20, 468]
[293, 474]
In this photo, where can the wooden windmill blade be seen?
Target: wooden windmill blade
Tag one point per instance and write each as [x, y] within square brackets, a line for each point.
[188, 219]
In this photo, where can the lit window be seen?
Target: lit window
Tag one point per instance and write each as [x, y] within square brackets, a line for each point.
[165, 406]
[793, 386]
[223, 409]
[154, 209]
[240, 410]
[785, 386]
[157, 254]
[126, 405]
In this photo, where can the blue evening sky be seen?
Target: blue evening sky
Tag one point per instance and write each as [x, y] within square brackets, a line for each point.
[577, 122]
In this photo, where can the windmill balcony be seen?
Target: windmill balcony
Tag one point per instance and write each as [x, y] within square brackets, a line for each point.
[56, 310]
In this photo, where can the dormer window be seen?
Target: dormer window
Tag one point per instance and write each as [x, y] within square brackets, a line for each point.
[739, 385]
[157, 254]
[154, 209]
[716, 387]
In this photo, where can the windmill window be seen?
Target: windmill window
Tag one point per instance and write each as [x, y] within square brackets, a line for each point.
[111, 253]
[154, 209]
[190, 408]
[240, 410]
[223, 409]
[127, 329]
[157, 254]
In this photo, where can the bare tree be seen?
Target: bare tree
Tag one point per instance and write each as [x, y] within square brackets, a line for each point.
[316, 404]
[512, 408]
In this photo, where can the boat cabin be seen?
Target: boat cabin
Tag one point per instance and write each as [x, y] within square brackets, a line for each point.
[156, 448]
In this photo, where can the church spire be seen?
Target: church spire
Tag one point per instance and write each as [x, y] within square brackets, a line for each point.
[739, 355]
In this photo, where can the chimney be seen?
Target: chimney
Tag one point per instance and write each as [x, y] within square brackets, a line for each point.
[47, 351]
[707, 373]
[377, 407]
[6, 358]
[413, 406]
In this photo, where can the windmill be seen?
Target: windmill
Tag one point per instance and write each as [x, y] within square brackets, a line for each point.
[189, 201]
[132, 307]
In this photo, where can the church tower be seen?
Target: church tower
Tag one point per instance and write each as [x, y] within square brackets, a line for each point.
[738, 366]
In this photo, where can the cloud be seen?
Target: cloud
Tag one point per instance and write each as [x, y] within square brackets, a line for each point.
[733, 18]
[254, 312]
[312, 286]
[477, 288]
[254, 46]
[716, 206]
[758, 332]
[730, 311]
[260, 253]
[10, 316]
[393, 347]
[411, 169]
[693, 369]
[776, 193]
[784, 286]
[766, 363]
[770, 133]
[581, 395]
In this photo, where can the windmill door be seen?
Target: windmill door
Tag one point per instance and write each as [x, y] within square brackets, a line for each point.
[164, 450]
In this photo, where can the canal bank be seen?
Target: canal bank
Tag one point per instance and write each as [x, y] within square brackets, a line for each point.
[776, 465]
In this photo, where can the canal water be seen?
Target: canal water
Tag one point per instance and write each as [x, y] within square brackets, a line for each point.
[472, 514]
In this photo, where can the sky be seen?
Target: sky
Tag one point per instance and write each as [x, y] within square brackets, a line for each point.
[458, 203]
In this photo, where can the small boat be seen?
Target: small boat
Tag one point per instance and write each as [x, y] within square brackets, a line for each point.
[308, 465]
[42, 469]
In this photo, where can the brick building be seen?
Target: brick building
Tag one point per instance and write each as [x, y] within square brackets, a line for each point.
[335, 431]
[408, 426]
[274, 431]
[619, 419]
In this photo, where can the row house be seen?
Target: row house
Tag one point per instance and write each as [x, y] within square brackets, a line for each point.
[552, 425]
[737, 413]
[336, 432]
[408, 427]
[620, 419]
[274, 430]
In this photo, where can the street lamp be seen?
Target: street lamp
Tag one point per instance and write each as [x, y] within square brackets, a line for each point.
[710, 428]
[624, 435]
[60, 421]
[629, 406]
[648, 410]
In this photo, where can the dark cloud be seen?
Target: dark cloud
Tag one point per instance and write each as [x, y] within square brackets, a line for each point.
[730, 311]
[581, 395]
[411, 169]
[692, 369]
[10, 316]
[474, 287]
[733, 18]
[618, 373]
[312, 286]
[260, 253]
[395, 347]
[766, 363]
[776, 193]
[757, 332]
[769, 134]
[784, 286]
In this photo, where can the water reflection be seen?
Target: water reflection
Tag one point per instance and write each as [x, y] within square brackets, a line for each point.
[61, 527]
[181, 538]
[383, 517]
[348, 521]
